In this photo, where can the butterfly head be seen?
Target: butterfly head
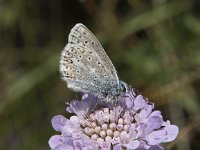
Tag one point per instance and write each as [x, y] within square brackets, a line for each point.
[123, 87]
[117, 92]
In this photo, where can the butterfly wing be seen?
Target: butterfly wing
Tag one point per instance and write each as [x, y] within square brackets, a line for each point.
[81, 35]
[85, 66]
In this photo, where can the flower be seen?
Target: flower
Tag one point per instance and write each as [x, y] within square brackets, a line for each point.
[130, 123]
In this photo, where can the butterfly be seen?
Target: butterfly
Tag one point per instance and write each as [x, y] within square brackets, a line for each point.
[85, 66]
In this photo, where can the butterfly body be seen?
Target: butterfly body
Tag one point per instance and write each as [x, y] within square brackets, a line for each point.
[86, 68]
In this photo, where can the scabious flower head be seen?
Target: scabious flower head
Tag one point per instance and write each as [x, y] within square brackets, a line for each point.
[129, 124]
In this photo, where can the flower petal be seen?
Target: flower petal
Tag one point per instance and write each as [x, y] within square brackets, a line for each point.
[133, 145]
[78, 144]
[139, 102]
[172, 132]
[79, 108]
[64, 147]
[154, 122]
[55, 141]
[156, 137]
[156, 113]
[156, 147]
[90, 144]
[117, 147]
[90, 100]
[58, 122]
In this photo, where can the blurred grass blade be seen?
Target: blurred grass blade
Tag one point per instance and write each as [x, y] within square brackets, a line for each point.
[29, 80]
[150, 18]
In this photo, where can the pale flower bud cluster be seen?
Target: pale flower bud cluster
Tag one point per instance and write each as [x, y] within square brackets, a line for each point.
[107, 125]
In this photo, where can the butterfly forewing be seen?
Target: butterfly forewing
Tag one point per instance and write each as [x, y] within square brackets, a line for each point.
[81, 35]
[84, 64]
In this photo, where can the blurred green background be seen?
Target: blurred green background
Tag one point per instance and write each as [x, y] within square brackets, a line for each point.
[154, 45]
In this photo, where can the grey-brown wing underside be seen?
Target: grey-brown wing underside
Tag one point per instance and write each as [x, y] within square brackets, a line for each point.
[84, 64]
[80, 34]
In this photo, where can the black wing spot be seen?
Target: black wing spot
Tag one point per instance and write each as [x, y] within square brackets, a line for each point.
[69, 61]
[68, 54]
[73, 36]
[89, 58]
[67, 75]
[105, 75]
[73, 50]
